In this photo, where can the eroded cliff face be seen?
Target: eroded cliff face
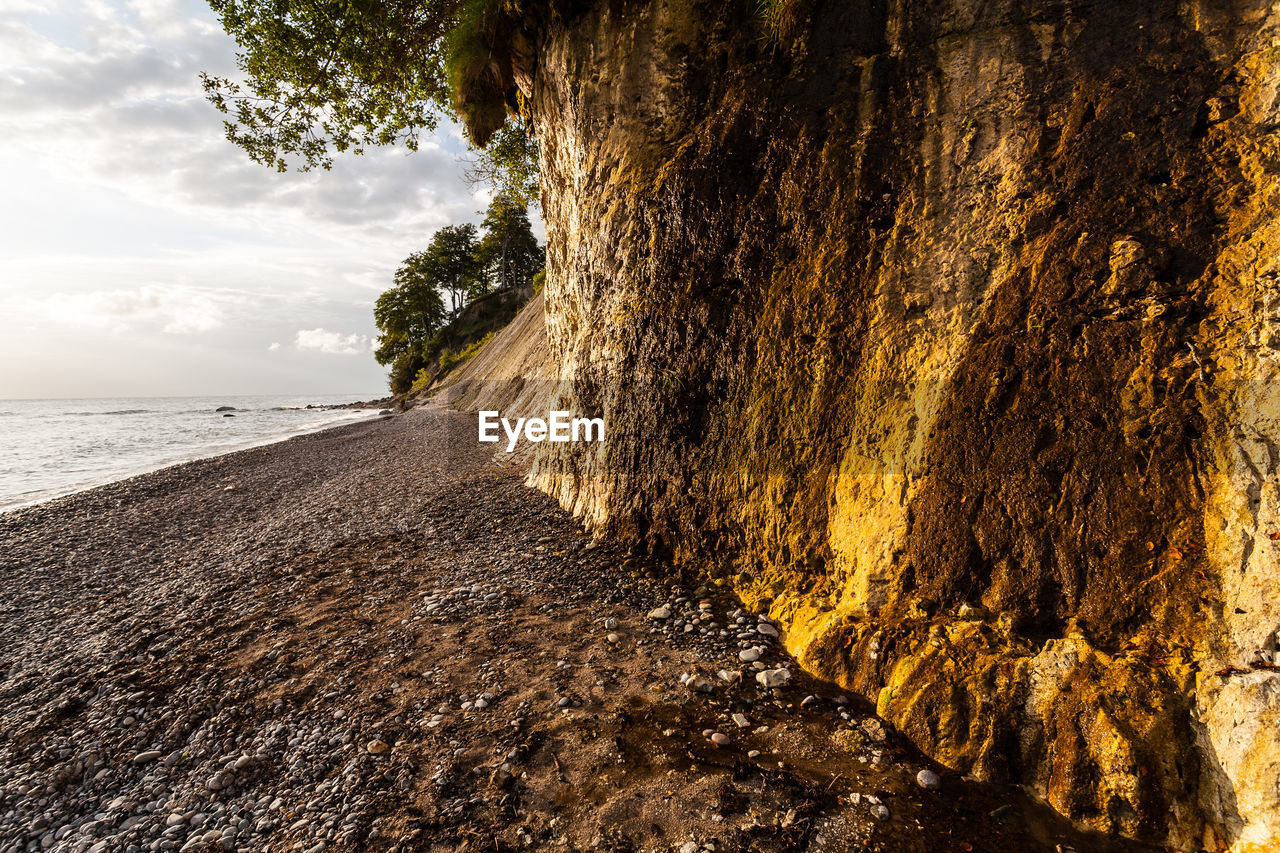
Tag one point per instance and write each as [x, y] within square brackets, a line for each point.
[948, 333]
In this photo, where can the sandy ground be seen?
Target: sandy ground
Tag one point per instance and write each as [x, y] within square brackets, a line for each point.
[371, 638]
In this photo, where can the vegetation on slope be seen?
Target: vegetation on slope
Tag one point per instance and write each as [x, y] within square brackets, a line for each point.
[484, 278]
[462, 338]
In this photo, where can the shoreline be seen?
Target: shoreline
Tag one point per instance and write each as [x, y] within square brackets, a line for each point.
[58, 493]
[374, 638]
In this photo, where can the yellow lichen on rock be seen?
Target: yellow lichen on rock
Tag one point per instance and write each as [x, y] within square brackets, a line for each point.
[951, 340]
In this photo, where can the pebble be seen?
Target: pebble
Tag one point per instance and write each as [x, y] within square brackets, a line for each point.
[698, 683]
[928, 780]
[773, 677]
[272, 756]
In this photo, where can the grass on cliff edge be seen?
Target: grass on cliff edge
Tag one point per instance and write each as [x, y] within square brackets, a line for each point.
[462, 337]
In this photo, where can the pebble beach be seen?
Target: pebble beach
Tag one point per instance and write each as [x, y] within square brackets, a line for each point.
[374, 638]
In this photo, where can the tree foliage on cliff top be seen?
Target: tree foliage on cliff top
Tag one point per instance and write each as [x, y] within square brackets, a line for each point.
[327, 76]
[322, 77]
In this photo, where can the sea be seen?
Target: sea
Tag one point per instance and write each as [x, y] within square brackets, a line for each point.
[50, 448]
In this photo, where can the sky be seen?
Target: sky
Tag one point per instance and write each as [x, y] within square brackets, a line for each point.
[142, 254]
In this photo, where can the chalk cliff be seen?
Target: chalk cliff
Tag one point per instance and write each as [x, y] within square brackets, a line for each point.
[946, 332]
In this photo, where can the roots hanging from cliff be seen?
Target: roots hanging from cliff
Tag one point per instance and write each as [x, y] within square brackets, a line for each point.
[485, 55]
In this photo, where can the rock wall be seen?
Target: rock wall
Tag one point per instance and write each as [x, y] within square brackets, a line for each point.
[947, 332]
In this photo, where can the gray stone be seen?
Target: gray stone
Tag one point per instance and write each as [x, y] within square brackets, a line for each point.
[773, 678]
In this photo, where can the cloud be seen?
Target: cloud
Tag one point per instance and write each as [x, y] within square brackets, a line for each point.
[275, 346]
[132, 220]
[173, 310]
[113, 97]
[333, 343]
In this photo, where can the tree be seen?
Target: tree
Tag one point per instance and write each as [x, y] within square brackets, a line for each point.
[508, 164]
[332, 75]
[508, 253]
[328, 76]
[407, 316]
[410, 312]
[320, 77]
[451, 263]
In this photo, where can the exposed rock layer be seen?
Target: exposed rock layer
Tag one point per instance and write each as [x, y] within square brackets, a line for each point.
[944, 306]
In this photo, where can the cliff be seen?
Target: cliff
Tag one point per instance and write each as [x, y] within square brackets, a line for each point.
[947, 331]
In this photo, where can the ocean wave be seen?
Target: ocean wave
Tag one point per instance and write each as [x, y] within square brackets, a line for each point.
[117, 412]
[64, 456]
[333, 420]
